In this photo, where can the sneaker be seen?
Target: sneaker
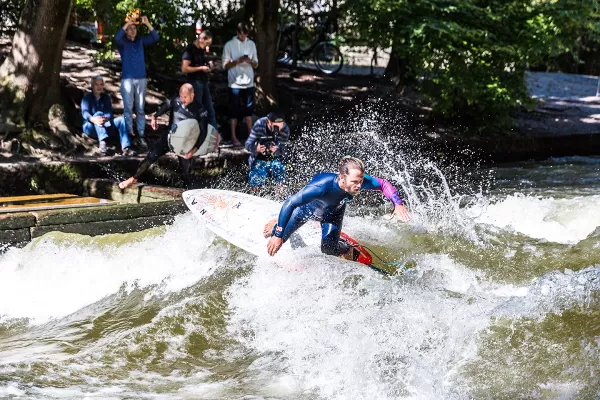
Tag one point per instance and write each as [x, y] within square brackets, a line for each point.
[128, 152]
[103, 147]
[142, 143]
[226, 143]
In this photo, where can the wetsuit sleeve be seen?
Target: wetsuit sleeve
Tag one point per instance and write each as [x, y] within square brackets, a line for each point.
[282, 141]
[304, 196]
[164, 108]
[388, 190]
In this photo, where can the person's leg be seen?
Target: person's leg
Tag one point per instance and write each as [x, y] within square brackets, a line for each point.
[330, 235]
[140, 103]
[257, 175]
[120, 128]
[234, 109]
[128, 98]
[186, 168]
[89, 130]
[249, 108]
[160, 148]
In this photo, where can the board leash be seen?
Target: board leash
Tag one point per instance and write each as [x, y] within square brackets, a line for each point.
[396, 264]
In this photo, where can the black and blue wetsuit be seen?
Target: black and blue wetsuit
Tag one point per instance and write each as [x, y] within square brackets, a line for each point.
[323, 200]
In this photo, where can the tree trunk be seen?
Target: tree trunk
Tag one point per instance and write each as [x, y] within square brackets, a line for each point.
[396, 71]
[296, 36]
[29, 77]
[266, 42]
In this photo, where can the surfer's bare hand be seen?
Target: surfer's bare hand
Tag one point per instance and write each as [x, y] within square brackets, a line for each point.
[401, 212]
[274, 245]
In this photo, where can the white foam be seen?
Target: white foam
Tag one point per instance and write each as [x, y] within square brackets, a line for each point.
[566, 221]
[59, 274]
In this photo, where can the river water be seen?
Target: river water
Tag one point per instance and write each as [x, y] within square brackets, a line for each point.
[501, 301]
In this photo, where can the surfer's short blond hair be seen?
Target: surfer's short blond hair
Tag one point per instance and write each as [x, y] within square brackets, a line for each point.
[348, 163]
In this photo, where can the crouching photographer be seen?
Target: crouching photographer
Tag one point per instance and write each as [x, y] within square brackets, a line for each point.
[267, 146]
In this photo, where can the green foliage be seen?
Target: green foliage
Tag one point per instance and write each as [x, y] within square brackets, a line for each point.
[10, 10]
[469, 57]
[173, 19]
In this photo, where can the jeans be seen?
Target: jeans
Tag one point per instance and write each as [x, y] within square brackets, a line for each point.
[133, 92]
[202, 97]
[260, 170]
[110, 128]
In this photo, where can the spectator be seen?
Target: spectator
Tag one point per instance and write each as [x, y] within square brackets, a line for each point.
[182, 108]
[267, 146]
[98, 120]
[197, 67]
[240, 60]
[133, 75]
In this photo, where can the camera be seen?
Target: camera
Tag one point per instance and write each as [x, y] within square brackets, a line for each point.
[269, 140]
[133, 16]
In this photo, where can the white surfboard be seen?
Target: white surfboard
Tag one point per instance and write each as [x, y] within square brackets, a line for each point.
[240, 219]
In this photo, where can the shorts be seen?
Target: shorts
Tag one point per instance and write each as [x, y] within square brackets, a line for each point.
[260, 171]
[241, 102]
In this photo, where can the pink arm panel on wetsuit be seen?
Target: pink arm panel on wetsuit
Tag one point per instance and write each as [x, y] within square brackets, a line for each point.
[389, 191]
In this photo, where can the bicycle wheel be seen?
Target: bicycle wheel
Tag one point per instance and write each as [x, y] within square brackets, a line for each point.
[284, 50]
[328, 58]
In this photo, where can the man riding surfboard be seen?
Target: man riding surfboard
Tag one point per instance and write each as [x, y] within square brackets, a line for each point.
[324, 199]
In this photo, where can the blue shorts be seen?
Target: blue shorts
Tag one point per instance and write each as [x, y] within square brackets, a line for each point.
[260, 171]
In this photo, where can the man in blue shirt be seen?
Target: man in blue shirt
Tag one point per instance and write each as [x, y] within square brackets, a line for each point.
[133, 75]
[98, 120]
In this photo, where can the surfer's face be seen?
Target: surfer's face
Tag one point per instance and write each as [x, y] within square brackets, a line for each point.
[352, 182]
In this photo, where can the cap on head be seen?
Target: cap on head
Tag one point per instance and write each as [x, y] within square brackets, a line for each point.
[275, 116]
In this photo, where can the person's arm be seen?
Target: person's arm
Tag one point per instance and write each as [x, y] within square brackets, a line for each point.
[85, 109]
[120, 35]
[108, 114]
[163, 109]
[257, 131]
[254, 57]
[389, 191]
[307, 194]
[166, 106]
[186, 68]
[153, 37]
[228, 63]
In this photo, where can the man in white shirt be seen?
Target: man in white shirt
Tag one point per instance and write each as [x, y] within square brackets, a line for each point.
[240, 60]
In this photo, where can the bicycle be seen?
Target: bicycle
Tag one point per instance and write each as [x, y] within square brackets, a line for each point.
[327, 56]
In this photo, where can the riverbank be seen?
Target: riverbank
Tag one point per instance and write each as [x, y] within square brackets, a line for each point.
[565, 122]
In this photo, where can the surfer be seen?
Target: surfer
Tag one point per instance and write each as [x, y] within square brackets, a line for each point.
[185, 144]
[324, 199]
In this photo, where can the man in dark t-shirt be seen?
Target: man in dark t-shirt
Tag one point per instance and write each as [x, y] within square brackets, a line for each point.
[197, 67]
